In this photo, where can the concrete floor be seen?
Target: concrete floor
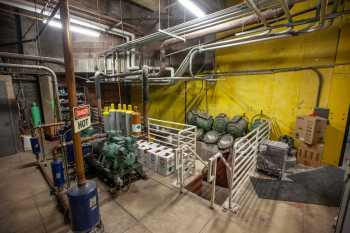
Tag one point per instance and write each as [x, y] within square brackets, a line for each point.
[152, 205]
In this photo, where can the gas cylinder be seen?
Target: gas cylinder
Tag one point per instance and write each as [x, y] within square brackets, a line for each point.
[84, 207]
[34, 142]
[57, 173]
[136, 122]
[122, 120]
[106, 124]
[118, 117]
[36, 115]
[112, 116]
[128, 119]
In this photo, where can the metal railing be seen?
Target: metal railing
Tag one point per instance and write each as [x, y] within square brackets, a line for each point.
[239, 165]
[244, 158]
[182, 138]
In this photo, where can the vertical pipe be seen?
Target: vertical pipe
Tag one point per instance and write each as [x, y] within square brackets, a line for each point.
[70, 80]
[145, 98]
[213, 184]
[98, 95]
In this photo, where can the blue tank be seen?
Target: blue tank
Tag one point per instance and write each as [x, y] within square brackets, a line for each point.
[84, 207]
[34, 142]
[57, 173]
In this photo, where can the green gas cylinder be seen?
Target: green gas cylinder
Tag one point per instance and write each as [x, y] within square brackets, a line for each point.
[36, 115]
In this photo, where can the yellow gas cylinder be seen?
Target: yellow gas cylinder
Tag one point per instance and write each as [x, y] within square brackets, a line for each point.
[112, 117]
[136, 122]
[118, 119]
[128, 119]
[122, 119]
[105, 115]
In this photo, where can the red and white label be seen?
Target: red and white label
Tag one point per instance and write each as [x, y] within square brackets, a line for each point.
[82, 119]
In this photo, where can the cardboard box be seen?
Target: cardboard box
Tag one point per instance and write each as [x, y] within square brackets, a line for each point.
[310, 155]
[310, 129]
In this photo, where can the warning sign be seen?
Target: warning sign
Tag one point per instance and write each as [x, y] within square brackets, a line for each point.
[82, 119]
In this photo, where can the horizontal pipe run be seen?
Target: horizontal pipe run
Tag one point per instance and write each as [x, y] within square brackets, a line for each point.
[32, 58]
[190, 25]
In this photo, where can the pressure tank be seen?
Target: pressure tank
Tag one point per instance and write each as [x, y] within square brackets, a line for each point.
[57, 173]
[84, 207]
[237, 127]
[112, 117]
[34, 142]
[106, 124]
[136, 122]
[118, 118]
[122, 120]
[36, 115]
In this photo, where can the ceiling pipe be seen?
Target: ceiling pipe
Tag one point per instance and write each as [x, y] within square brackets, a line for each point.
[32, 58]
[252, 5]
[252, 39]
[225, 15]
[47, 69]
[245, 21]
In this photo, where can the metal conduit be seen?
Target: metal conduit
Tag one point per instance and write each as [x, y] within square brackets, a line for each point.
[228, 13]
[47, 69]
[251, 39]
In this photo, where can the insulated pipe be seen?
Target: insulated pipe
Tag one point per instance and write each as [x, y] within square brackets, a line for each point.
[245, 21]
[228, 43]
[70, 80]
[32, 58]
[52, 73]
[192, 25]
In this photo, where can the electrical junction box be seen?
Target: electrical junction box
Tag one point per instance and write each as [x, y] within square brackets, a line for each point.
[310, 129]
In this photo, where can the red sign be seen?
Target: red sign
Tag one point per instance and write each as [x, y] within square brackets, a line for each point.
[82, 111]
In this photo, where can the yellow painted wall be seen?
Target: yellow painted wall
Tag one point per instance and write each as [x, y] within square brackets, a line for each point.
[282, 96]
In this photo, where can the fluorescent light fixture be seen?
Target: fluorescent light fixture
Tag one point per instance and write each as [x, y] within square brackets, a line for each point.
[193, 8]
[73, 28]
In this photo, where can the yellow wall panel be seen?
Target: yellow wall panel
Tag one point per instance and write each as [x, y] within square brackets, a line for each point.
[282, 96]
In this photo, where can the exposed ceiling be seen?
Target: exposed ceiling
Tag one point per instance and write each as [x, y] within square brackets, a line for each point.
[149, 4]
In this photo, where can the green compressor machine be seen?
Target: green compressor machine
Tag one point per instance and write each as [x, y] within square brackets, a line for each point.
[117, 163]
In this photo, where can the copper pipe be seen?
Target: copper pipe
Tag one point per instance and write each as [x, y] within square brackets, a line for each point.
[50, 125]
[70, 80]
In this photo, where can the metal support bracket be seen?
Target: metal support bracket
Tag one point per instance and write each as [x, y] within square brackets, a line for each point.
[252, 5]
[172, 35]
